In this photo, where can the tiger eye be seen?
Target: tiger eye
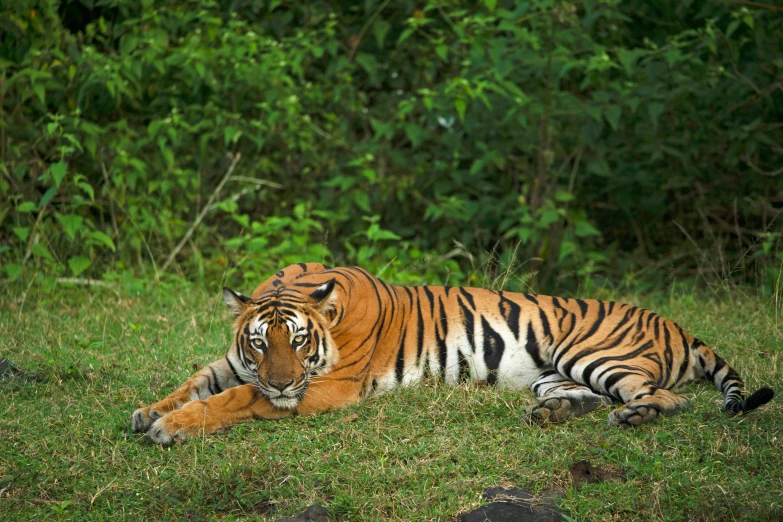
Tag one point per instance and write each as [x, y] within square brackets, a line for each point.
[299, 339]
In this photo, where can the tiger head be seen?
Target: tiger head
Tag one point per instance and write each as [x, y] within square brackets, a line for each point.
[282, 337]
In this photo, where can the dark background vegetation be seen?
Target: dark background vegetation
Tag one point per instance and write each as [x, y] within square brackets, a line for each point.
[638, 140]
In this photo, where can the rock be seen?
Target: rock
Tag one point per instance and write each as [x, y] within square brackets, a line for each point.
[8, 369]
[315, 513]
[514, 505]
[584, 472]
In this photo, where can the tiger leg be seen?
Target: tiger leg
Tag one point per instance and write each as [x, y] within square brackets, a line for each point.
[244, 403]
[644, 401]
[560, 398]
[210, 380]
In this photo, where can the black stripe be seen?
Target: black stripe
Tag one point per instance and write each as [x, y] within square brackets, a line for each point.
[577, 357]
[420, 329]
[531, 298]
[217, 382]
[545, 324]
[209, 386]
[596, 324]
[464, 368]
[400, 366]
[558, 306]
[468, 297]
[234, 371]
[623, 321]
[613, 379]
[532, 347]
[510, 312]
[582, 307]
[442, 348]
[588, 371]
[493, 350]
[430, 299]
[468, 320]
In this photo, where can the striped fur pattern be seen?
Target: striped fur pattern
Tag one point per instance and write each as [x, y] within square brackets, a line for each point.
[313, 338]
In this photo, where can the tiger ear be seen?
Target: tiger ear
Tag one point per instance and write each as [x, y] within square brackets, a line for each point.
[324, 296]
[235, 301]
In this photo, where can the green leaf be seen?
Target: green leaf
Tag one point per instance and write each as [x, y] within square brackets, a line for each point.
[362, 200]
[39, 250]
[380, 29]
[22, 233]
[655, 110]
[79, 264]
[563, 196]
[405, 35]
[242, 219]
[547, 217]
[382, 129]
[368, 63]
[58, 171]
[566, 249]
[460, 105]
[673, 56]
[71, 224]
[47, 197]
[231, 134]
[443, 52]
[612, 115]
[40, 92]
[103, 239]
[14, 271]
[154, 128]
[414, 133]
[628, 59]
[87, 189]
[583, 228]
[27, 206]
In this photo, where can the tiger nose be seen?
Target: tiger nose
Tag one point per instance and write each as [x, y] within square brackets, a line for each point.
[281, 385]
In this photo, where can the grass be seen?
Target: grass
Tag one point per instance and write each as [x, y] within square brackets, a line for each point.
[426, 453]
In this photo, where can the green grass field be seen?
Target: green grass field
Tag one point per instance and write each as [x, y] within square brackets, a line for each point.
[91, 357]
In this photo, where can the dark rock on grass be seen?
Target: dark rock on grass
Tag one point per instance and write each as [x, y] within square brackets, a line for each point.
[315, 513]
[514, 505]
[8, 370]
[264, 508]
[583, 472]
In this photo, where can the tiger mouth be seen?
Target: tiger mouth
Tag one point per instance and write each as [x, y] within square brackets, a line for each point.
[287, 399]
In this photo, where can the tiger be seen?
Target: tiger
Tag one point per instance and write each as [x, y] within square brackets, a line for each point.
[313, 338]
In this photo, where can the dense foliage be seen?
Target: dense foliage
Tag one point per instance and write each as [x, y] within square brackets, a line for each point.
[568, 138]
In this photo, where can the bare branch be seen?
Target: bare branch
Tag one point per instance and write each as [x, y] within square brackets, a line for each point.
[203, 212]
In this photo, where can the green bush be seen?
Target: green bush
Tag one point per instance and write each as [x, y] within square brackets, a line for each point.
[568, 139]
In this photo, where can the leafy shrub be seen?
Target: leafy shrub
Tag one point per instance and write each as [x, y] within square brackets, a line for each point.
[566, 138]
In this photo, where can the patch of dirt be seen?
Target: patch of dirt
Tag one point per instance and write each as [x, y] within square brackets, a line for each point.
[584, 472]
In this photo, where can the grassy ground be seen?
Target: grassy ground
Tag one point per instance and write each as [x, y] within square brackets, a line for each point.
[92, 357]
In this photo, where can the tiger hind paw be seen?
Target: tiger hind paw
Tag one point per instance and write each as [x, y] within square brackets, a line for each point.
[632, 415]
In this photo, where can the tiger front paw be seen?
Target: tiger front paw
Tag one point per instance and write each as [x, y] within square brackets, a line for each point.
[142, 419]
[180, 424]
